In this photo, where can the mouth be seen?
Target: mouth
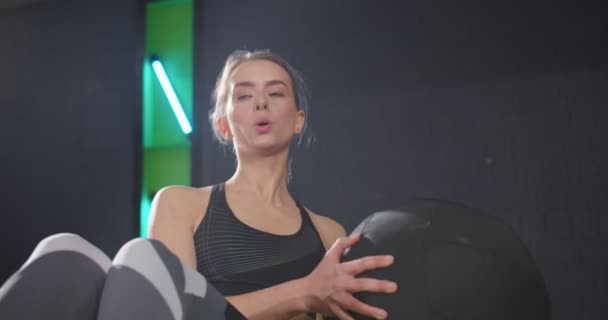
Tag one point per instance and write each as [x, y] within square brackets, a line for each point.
[263, 126]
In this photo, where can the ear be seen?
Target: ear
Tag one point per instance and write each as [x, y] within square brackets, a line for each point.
[300, 121]
[224, 128]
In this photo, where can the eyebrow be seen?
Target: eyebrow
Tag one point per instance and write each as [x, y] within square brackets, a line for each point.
[267, 84]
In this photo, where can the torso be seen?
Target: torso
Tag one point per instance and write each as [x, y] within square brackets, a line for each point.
[238, 252]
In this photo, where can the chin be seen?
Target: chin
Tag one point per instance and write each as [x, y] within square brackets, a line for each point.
[270, 145]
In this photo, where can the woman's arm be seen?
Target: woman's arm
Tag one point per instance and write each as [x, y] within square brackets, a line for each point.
[327, 290]
[333, 234]
[172, 220]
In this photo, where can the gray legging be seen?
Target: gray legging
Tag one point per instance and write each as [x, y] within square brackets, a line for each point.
[66, 277]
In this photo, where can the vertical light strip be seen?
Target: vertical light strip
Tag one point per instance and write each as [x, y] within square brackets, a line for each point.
[178, 110]
[144, 208]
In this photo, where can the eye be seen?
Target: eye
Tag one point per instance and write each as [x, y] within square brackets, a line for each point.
[243, 97]
[276, 94]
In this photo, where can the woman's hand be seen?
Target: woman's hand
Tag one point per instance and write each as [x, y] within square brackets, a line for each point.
[332, 284]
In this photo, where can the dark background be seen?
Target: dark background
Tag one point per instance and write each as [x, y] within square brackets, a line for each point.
[498, 105]
[70, 132]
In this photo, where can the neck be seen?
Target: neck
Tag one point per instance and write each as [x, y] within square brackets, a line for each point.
[264, 177]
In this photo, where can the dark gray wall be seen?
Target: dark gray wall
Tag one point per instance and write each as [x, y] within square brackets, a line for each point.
[68, 125]
[498, 106]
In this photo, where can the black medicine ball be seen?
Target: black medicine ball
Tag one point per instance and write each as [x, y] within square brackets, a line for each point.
[451, 262]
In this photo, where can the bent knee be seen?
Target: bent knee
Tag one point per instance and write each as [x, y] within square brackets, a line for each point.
[69, 242]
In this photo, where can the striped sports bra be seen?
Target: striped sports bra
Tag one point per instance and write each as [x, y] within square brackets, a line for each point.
[237, 258]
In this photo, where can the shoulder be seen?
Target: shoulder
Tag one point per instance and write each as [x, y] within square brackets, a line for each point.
[181, 196]
[180, 202]
[182, 192]
[328, 229]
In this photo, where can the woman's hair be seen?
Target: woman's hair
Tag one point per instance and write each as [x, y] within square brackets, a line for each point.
[221, 91]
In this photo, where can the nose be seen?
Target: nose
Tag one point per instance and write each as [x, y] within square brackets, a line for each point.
[261, 104]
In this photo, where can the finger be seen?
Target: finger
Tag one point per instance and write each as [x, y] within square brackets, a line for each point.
[371, 285]
[357, 266]
[356, 236]
[351, 303]
[341, 244]
[339, 312]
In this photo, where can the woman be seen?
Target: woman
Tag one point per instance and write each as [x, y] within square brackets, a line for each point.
[270, 256]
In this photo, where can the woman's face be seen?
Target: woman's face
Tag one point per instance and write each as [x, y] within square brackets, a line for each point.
[261, 110]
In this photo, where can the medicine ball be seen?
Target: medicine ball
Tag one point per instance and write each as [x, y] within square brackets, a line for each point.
[451, 262]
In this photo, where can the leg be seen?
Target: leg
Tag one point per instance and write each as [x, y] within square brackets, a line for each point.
[149, 282]
[62, 279]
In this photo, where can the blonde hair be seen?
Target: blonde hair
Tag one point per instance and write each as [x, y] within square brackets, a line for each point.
[221, 90]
